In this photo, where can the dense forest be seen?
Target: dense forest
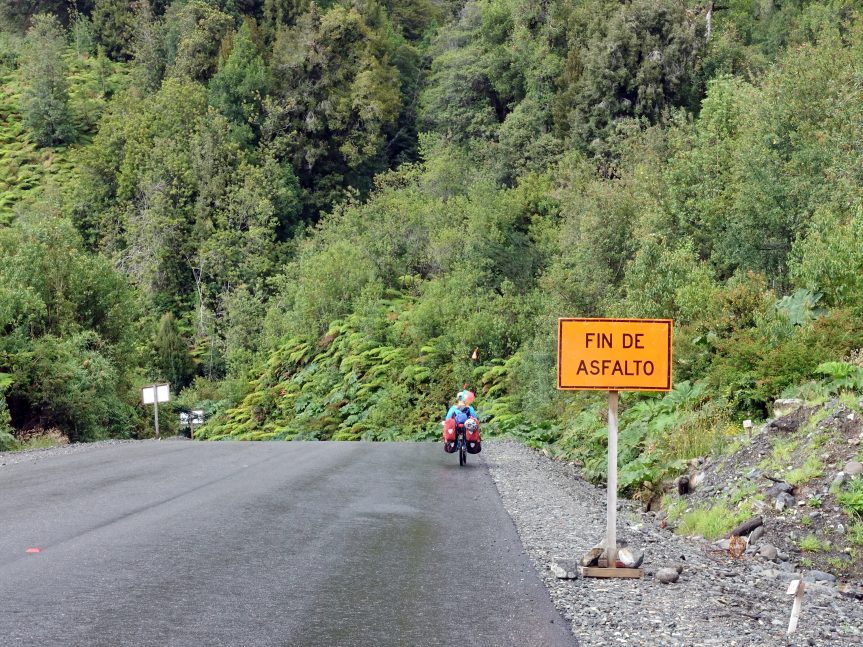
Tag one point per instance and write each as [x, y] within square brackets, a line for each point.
[320, 220]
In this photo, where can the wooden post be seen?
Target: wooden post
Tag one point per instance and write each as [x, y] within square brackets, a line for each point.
[611, 530]
[796, 589]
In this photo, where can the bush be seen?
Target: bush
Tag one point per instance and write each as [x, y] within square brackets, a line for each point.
[7, 441]
[68, 383]
[852, 500]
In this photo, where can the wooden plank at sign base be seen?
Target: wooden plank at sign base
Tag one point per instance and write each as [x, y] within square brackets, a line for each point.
[614, 354]
[595, 571]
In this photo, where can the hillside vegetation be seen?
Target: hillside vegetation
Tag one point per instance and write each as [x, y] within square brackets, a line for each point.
[319, 221]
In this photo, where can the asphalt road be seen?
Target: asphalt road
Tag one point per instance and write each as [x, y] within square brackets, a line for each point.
[307, 544]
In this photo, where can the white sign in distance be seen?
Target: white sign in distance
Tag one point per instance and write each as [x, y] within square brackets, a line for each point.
[156, 393]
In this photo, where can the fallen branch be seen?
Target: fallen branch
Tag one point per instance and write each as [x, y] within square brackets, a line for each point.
[746, 527]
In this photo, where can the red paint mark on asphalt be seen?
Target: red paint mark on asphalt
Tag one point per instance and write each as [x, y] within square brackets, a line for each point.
[34, 550]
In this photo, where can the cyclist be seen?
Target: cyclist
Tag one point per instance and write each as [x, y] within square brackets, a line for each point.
[462, 405]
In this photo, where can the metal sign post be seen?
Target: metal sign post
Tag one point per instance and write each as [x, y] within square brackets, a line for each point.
[154, 395]
[611, 514]
[613, 355]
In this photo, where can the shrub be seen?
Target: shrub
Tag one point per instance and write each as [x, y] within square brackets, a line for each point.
[852, 500]
[7, 441]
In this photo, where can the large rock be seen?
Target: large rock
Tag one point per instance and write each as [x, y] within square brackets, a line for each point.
[768, 552]
[785, 406]
[630, 557]
[667, 575]
[818, 576]
[779, 488]
[784, 500]
[564, 568]
[592, 556]
[853, 468]
[756, 535]
[839, 480]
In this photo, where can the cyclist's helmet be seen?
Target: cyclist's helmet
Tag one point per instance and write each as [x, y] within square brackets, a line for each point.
[471, 424]
[466, 396]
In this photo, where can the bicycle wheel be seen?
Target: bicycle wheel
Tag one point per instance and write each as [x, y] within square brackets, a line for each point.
[462, 456]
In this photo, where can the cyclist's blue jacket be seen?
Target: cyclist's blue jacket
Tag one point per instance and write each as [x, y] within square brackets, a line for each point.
[454, 410]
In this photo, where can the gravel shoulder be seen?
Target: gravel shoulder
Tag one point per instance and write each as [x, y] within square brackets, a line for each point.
[718, 600]
[34, 455]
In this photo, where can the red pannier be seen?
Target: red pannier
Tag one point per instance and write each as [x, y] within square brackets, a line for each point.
[474, 446]
[449, 436]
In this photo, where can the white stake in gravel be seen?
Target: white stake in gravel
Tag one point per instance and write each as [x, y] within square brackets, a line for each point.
[796, 589]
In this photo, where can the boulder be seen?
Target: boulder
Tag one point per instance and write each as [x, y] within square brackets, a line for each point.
[592, 556]
[819, 576]
[756, 534]
[785, 406]
[564, 568]
[630, 557]
[853, 468]
[768, 552]
[784, 500]
[779, 488]
[667, 575]
[839, 480]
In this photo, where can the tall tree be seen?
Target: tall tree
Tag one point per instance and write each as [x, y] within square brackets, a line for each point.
[172, 362]
[335, 102]
[114, 22]
[45, 101]
[239, 86]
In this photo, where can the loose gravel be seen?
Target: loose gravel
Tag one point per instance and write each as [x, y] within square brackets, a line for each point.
[34, 455]
[718, 600]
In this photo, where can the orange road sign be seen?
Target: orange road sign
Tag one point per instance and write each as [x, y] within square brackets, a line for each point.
[614, 354]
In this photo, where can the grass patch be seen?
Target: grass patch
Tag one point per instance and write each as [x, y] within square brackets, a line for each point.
[749, 491]
[42, 442]
[855, 534]
[674, 507]
[852, 500]
[812, 468]
[811, 544]
[783, 450]
[710, 523]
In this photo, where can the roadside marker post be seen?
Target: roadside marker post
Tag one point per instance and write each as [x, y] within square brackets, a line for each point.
[613, 355]
[154, 395]
[795, 588]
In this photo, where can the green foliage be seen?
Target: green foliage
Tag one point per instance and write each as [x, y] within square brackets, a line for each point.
[66, 330]
[855, 534]
[852, 499]
[843, 376]
[712, 522]
[641, 63]
[7, 441]
[45, 100]
[194, 34]
[332, 110]
[239, 86]
[113, 23]
[812, 468]
[172, 360]
[811, 544]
